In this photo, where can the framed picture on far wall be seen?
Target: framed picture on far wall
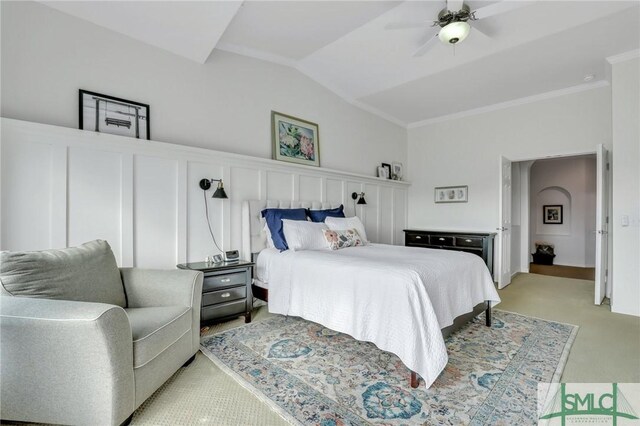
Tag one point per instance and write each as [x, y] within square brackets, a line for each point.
[108, 114]
[295, 140]
[552, 215]
[452, 194]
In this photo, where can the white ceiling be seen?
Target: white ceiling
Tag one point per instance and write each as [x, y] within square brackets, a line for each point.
[539, 47]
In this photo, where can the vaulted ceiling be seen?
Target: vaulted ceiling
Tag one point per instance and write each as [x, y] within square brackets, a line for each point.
[536, 47]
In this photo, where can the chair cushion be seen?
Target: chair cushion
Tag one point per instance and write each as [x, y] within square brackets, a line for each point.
[155, 329]
[87, 273]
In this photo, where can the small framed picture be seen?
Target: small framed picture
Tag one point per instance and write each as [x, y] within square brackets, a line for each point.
[397, 170]
[383, 172]
[388, 167]
[295, 140]
[108, 114]
[552, 215]
[452, 194]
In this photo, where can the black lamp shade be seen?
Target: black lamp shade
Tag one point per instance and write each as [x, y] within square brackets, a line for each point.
[361, 200]
[219, 193]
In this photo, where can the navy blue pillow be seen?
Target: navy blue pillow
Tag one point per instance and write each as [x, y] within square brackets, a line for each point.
[321, 215]
[274, 222]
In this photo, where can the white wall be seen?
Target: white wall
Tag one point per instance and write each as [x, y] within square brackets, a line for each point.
[626, 186]
[570, 182]
[61, 187]
[467, 152]
[224, 104]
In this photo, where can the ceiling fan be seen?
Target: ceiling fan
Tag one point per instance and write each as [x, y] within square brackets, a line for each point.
[452, 25]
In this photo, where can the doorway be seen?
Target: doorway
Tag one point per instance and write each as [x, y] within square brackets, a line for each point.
[560, 203]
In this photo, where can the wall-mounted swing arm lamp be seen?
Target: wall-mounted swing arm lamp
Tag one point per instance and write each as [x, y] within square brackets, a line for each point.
[360, 197]
[205, 184]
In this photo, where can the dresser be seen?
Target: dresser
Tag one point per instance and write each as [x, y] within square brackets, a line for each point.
[480, 244]
[226, 290]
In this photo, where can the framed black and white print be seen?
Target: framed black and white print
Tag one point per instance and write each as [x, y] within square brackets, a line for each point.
[108, 114]
[452, 194]
[552, 215]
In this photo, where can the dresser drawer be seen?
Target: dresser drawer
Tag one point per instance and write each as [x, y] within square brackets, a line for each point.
[223, 310]
[222, 296]
[417, 239]
[469, 241]
[441, 240]
[223, 280]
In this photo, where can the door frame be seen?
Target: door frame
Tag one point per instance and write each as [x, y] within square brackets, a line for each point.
[525, 227]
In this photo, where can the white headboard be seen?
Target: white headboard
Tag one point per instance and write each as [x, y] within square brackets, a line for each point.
[254, 238]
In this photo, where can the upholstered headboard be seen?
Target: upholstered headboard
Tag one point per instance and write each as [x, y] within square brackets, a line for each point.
[254, 239]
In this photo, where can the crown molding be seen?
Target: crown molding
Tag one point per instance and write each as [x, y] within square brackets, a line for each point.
[508, 104]
[632, 54]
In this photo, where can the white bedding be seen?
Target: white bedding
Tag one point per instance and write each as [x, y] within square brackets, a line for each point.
[396, 297]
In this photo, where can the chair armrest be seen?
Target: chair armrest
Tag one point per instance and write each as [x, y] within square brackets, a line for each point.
[155, 287]
[65, 362]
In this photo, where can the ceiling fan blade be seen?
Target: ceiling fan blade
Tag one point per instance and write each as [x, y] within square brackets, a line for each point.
[425, 47]
[500, 7]
[454, 5]
[406, 25]
[483, 28]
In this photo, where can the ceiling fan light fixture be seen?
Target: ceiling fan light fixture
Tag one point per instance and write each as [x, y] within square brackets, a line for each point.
[454, 32]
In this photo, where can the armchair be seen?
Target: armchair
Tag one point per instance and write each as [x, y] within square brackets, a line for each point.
[83, 342]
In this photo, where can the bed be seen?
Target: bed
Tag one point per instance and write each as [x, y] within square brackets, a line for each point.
[403, 299]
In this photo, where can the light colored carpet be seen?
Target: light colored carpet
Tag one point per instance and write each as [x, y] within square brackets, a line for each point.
[607, 349]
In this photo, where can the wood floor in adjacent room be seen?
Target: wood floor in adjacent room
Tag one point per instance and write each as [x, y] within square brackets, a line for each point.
[606, 349]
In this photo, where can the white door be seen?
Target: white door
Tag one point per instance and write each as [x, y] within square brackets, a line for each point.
[602, 223]
[504, 234]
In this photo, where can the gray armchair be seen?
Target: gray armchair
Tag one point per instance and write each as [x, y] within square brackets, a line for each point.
[84, 342]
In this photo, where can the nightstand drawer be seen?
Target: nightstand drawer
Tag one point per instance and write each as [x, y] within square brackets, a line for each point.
[441, 240]
[223, 296]
[224, 280]
[223, 310]
[469, 241]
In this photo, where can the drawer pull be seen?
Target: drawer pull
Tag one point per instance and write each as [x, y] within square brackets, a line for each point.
[440, 239]
[225, 295]
[225, 280]
[468, 241]
[418, 237]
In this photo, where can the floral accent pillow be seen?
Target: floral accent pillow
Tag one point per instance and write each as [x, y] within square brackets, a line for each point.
[342, 239]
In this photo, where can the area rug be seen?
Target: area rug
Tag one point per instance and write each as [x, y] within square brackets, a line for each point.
[315, 376]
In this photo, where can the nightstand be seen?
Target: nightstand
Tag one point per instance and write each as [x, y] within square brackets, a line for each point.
[226, 290]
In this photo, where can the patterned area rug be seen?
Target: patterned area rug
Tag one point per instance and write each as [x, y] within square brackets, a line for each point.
[315, 376]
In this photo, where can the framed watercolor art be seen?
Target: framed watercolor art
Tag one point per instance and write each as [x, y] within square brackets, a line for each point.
[295, 140]
[452, 194]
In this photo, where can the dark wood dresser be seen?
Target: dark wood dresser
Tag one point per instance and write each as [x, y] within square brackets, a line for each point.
[226, 290]
[470, 242]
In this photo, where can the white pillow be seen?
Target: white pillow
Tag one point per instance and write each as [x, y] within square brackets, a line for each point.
[269, 240]
[342, 223]
[303, 235]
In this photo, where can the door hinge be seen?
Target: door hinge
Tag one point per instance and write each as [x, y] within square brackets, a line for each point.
[607, 166]
[607, 219]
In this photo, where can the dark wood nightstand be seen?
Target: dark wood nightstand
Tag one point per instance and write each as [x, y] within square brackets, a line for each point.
[226, 290]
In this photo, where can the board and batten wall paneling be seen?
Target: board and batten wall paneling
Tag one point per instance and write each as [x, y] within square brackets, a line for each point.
[63, 187]
[155, 211]
[96, 200]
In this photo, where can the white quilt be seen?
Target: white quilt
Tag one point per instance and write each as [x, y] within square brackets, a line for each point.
[396, 297]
